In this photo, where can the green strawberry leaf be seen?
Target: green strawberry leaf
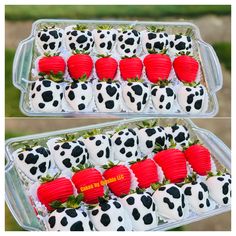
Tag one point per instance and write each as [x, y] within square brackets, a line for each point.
[80, 27]
[104, 27]
[49, 178]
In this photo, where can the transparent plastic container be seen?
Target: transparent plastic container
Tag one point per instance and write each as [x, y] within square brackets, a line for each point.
[20, 204]
[26, 54]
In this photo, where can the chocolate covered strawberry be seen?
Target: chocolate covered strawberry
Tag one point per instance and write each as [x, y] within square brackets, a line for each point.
[118, 178]
[170, 201]
[145, 170]
[192, 98]
[163, 96]
[54, 189]
[199, 158]
[99, 147]
[219, 186]
[80, 64]
[136, 95]
[68, 151]
[105, 37]
[87, 180]
[131, 67]
[33, 160]
[46, 94]
[109, 215]
[141, 209]
[69, 216]
[79, 37]
[106, 67]
[154, 38]
[49, 39]
[149, 135]
[79, 93]
[128, 41]
[197, 194]
[157, 66]
[108, 96]
[51, 65]
[186, 68]
[173, 164]
[125, 144]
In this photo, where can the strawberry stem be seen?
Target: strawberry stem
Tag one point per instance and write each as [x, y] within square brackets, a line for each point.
[104, 27]
[80, 167]
[92, 133]
[155, 29]
[49, 178]
[147, 124]
[80, 27]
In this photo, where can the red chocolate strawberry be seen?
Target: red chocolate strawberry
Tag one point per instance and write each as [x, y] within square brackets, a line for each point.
[157, 66]
[173, 164]
[79, 65]
[106, 68]
[118, 177]
[131, 67]
[199, 158]
[186, 68]
[87, 180]
[54, 189]
[145, 171]
[51, 65]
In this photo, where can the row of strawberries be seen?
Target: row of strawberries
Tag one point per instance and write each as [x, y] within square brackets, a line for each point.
[165, 200]
[157, 67]
[127, 41]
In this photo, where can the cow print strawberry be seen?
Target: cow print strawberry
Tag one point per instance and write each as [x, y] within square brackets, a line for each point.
[171, 202]
[81, 40]
[46, 96]
[49, 40]
[79, 95]
[154, 41]
[141, 209]
[33, 161]
[108, 97]
[99, 149]
[104, 40]
[125, 145]
[69, 219]
[180, 43]
[149, 137]
[163, 98]
[136, 96]
[110, 216]
[68, 154]
[179, 134]
[128, 43]
[197, 195]
[192, 99]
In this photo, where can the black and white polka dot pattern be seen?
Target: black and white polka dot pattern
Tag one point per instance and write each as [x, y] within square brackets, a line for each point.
[33, 162]
[154, 41]
[170, 202]
[110, 216]
[68, 154]
[99, 149]
[128, 42]
[108, 97]
[163, 98]
[81, 40]
[79, 95]
[192, 99]
[104, 40]
[49, 40]
[125, 145]
[136, 96]
[69, 219]
[141, 209]
[46, 96]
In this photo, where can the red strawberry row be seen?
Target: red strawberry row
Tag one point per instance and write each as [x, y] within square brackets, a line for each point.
[157, 67]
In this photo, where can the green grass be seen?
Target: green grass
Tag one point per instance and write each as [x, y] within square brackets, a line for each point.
[155, 12]
[223, 51]
[12, 94]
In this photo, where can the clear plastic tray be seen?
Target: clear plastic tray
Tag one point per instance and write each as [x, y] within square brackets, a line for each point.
[26, 54]
[19, 203]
